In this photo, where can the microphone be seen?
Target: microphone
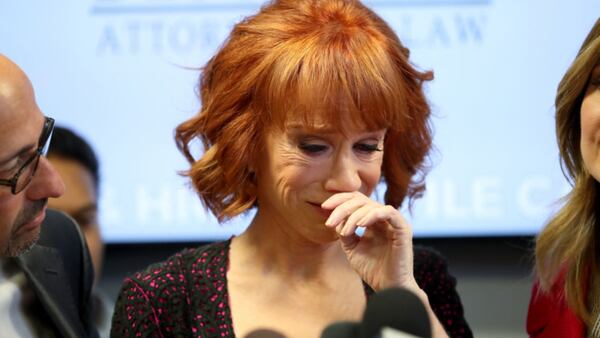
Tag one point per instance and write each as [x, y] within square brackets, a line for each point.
[391, 313]
[395, 312]
[341, 330]
[264, 333]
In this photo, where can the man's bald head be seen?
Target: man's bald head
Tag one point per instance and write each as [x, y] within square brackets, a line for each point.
[16, 92]
[12, 78]
[6, 65]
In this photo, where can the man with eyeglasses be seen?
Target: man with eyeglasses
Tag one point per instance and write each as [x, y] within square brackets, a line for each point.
[44, 287]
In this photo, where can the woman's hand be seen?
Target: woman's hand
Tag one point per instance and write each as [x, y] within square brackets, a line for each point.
[383, 256]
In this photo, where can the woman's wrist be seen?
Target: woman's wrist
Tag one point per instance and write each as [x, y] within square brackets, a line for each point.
[437, 329]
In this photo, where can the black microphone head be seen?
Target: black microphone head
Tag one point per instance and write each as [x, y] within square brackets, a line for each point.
[398, 309]
[264, 333]
[341, 330]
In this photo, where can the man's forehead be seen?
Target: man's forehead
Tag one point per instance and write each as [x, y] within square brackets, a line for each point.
[20, 119]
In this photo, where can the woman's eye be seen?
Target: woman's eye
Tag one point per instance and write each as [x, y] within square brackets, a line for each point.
[368, 148]
[312, 148]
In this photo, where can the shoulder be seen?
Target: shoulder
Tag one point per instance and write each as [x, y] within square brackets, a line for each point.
[61, 232]
[549, 315]
[62, 247]
[199, 258]
[425, 254]
[432, 275]
[175, 269]
[160, 297]
[430, 266]
[431, 272]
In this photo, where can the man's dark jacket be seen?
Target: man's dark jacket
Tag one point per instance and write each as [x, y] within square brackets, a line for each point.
[60, 272]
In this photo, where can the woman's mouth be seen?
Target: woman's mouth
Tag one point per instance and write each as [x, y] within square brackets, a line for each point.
[323, 212]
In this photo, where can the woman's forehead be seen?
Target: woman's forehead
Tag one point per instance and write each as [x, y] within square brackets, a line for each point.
[331, 121]
[323, 127]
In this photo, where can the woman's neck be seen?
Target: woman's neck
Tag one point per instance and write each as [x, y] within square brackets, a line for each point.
[276, 248]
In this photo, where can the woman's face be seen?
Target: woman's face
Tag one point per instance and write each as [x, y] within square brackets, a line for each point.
[301, 168]
[590, 125]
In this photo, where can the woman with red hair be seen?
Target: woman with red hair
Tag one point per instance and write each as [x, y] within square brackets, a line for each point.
[305, 109]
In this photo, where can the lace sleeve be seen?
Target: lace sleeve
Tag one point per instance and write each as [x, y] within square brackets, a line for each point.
[153, 303]
[134, 315]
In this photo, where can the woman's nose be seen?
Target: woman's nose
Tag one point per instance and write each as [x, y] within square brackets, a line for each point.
[344, 175]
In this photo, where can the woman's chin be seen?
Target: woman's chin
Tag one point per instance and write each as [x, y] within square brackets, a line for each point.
[326, 235]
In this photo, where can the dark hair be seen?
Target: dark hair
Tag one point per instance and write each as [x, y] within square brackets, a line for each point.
[68, 145]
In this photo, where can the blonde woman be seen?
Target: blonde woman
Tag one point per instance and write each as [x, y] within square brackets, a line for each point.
[565, 300]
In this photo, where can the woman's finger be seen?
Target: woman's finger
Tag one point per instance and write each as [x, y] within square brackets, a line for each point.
[334, 200]
[345, 209]
[352, 220]
[385, 213]
[339, 227]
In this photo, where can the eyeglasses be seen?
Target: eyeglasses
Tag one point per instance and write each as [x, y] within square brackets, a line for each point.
[25, 174]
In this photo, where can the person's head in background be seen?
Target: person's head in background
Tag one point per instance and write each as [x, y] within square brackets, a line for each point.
[570, 240]
[77, 164]
[27, 179]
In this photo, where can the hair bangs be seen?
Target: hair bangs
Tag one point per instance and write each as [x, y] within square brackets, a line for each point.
[342, 80]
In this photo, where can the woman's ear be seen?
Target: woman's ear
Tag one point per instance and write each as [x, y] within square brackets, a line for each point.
[251, 173]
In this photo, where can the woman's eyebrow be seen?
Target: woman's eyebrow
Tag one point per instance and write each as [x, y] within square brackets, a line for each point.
[298, 127]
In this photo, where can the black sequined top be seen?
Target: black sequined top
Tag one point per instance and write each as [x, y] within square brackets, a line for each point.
[186, 295]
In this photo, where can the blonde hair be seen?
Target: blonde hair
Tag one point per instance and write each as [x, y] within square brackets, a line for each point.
[568, 243]
[335, 58]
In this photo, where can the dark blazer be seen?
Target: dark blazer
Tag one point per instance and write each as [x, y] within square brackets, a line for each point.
[60, 272]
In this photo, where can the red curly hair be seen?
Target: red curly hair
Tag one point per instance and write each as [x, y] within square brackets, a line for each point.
[333, 58]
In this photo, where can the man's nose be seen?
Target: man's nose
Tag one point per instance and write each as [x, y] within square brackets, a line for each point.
[46, 182]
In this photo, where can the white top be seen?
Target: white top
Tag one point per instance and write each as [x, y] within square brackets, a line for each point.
[13, 296]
